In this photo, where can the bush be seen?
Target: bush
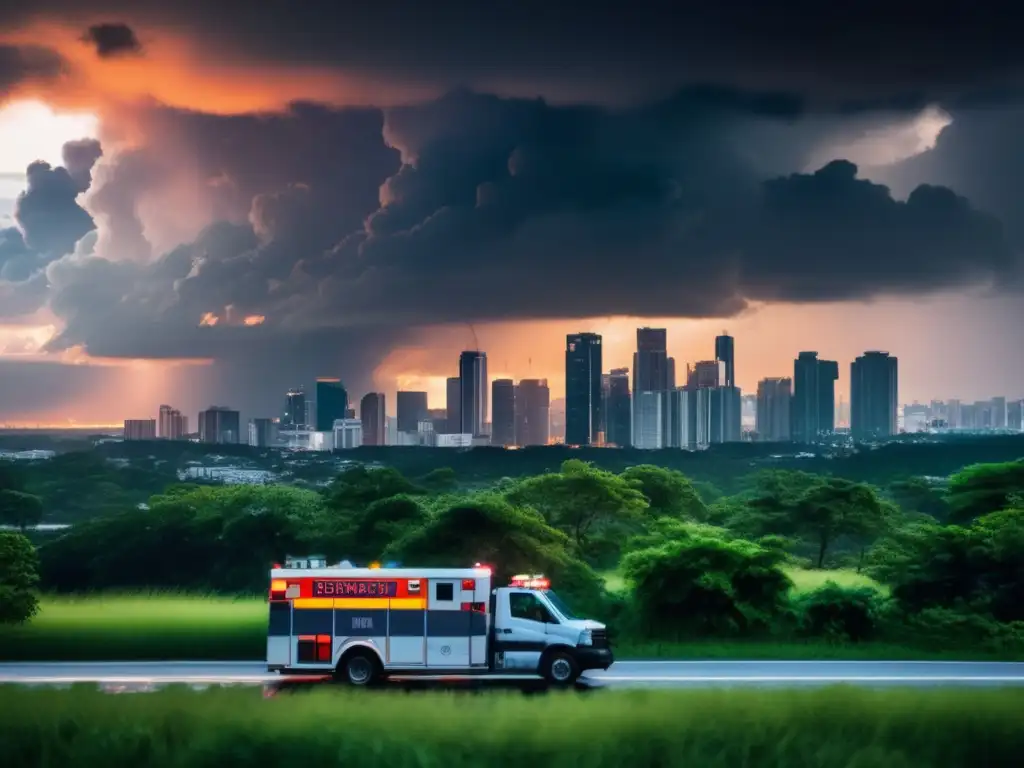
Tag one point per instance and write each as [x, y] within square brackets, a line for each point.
[825, 728]
[942, 628]
[19, 574]
[839, 614]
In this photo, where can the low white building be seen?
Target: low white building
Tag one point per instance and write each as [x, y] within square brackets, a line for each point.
[348, 434]
[453, 441]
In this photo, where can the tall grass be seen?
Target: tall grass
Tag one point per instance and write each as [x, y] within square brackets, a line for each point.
[711, 729]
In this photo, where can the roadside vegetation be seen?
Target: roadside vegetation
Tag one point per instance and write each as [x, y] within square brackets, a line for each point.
[233, 727]
[790, 564]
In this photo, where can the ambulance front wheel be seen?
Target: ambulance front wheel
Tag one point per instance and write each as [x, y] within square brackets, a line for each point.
[559, 668]
[358, 668]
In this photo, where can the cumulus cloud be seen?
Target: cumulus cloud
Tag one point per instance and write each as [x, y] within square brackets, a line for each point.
[112, 39]
[48, 212]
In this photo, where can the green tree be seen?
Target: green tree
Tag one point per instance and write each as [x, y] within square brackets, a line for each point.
[919, 494]
[983, 488]
[593, 507]
[668, 493]
[19, 509]
[18, 578]
[707, 582]
[440, 480]
[834, 508]
[358, 487]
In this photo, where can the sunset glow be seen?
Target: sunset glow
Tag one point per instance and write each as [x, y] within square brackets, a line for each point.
[31, 130]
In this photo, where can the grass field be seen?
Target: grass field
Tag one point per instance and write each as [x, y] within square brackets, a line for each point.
[168, 626]
[828, 728]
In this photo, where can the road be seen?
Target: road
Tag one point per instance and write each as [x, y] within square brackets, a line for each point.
[676, 674]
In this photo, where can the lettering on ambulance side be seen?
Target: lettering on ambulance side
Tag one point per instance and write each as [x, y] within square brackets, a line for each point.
[362, 622]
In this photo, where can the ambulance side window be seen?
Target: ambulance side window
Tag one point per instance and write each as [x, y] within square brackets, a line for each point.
[524, 605]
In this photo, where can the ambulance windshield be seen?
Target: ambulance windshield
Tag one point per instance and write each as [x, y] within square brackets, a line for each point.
[560, 605]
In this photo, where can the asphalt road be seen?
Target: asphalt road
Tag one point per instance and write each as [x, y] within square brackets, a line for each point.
[675, 674]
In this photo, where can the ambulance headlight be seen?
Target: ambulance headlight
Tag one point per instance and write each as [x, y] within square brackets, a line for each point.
[586, 638]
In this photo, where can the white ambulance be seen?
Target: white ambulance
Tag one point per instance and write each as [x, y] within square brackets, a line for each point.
[364, 624]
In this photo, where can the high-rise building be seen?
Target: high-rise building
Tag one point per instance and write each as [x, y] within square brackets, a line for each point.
[331, 403]
[473, 393]
[706, 374]
[262, 432]
[140, 429]
[726, 353]
[532, 412]
[618, 408]
[650, 361]
[556, 415]
[453, 405]
[774, 398]
[814, 400]
[503, 412]
[219, 424]
[1000, 413]
[373, 419]
[583, 389]
[648, 408]
[172, 424]
[726, 417]
[874, 393]
[412, 409]
[294, 410]
[1015, 415]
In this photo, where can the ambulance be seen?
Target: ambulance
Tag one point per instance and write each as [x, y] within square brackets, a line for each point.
[365, 624]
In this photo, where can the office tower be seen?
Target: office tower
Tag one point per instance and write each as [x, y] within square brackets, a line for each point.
[172, 424]
[218, 424]
[650, 361]
[1000, 413]
[648, 409]
[503, 412]
[473, 393]
[294, 410]
[372, 417]
[556, 415]
[618, 408]
[453, 405]
[873, 396]
[1015, 415]
[749, 412]
[725, 414]
[583, 389]
[331, 403]
[532, 412]
[262, 432]
[140, 429]
[726, 353]
[774, 398]
[412, 409]
[814, 401]
[706, 374]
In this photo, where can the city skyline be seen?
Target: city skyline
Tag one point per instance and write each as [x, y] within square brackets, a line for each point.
[192, 202]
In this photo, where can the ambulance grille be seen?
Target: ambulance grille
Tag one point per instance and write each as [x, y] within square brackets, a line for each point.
[600, 637]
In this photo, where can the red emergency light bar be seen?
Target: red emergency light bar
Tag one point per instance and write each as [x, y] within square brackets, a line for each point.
[530, 582]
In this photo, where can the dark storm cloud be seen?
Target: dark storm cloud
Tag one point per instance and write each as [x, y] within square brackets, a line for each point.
[112, 40]
[854, 54]
[26, 63]
[79, 157]
[48, 212]
[504, 209]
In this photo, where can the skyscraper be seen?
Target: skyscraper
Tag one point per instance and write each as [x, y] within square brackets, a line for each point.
[583, 389]
[618, 408]
[262, 432]
[650, 361]
[473, 392]
[725, 352]
[774, 397]
[372, 416]
[874, 392]
[331, 403]
[140, 429]
[648, 408]
[219, 424]
[172, 424]
[412, 409]
[294, 410]
[726, 416]
[814, 400]
[453, 405]
[503, 412]
[706, 374]
[532, 412]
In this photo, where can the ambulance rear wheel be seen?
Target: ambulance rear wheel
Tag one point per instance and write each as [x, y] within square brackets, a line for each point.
[559, 668]
[358, 668]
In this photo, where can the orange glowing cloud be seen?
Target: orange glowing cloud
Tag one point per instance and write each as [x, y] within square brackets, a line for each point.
[193, 74]
[254, 320]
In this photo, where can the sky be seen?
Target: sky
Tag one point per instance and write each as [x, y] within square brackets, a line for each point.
[208, 203]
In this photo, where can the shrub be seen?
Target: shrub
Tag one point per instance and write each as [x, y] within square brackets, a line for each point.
[839, 614]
